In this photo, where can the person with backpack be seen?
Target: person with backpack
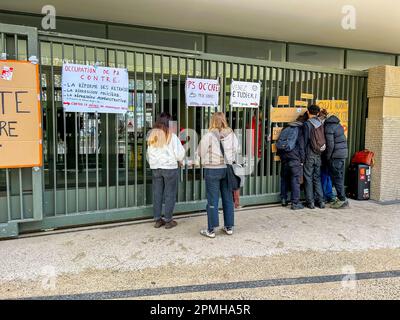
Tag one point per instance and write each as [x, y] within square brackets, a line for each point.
[217, 150]
[290, 147]
[314, 146]
[164, 152]
[336, 154]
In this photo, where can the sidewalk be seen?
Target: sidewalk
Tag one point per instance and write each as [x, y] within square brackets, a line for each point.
[268, 243]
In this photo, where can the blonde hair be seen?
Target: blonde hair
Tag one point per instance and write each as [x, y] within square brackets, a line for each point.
[218, 122]
[158, 139]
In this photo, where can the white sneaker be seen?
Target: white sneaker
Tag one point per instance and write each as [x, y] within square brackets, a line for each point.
[206, 233]
[228, 231]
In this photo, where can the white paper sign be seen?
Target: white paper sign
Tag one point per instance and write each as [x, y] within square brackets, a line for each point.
[202, 92]
[94, 89]
[245, 94]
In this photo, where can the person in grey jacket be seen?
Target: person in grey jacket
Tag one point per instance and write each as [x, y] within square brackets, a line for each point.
[312, 165]
[336, 154]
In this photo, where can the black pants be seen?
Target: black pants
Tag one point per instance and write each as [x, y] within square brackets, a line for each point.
[336, 170]
[312, 179]
[291, 173]
[165, 185]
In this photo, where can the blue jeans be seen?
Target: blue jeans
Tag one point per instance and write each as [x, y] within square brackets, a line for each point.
[216, 182]
[326, 183]
[165, 184]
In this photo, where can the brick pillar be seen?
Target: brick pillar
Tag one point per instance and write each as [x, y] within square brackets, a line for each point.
[383, 131]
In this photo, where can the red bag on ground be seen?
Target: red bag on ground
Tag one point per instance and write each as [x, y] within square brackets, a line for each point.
[363, 157]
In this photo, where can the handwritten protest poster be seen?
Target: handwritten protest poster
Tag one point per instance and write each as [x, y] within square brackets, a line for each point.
[20, 115]
[94, 89]
[245, 94]
[339, 108]
[202, 92]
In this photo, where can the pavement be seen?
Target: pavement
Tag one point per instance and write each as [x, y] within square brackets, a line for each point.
[274, 253]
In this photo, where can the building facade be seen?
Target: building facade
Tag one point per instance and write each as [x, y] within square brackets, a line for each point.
[95, 169]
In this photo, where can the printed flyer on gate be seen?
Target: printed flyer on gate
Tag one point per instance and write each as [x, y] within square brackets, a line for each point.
[94, 89]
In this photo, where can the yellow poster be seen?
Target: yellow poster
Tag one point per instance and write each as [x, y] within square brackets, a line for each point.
[20, 115]
[283, 101]
[339, 108]
[308, 96]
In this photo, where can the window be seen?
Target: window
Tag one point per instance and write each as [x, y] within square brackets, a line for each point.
[361, 60]
[182, 40]
[320, 56]
[248, 48]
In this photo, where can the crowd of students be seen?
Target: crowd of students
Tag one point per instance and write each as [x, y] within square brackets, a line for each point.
[314, 140]
[314, 143]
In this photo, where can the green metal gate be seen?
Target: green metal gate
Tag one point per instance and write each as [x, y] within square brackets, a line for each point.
[95, 168]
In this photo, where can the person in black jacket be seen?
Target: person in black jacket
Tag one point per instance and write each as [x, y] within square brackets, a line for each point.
[336, 154]
[292, 169]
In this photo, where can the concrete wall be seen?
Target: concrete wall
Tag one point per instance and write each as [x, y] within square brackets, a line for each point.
[383, 131]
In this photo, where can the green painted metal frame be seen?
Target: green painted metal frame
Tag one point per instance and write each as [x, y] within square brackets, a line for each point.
[128, 201]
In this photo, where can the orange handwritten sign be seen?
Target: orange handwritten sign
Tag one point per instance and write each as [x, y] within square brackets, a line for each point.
[283, 101]
[339, 108]
[276, 131]
[20, 115]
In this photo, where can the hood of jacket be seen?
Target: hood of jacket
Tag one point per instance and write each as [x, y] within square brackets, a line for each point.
[223, 134]
[296, 123]
[315, 122]
[332, 119]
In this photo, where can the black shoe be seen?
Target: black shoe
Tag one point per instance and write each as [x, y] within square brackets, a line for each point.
[321, 205]
[297, 206]
[284, 203]
[310, 206]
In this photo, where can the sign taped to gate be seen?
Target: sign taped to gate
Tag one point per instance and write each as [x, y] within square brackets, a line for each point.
[20, 115]
[288, 114]
[339, 108]
[202, 92]
[245, 94]
[88, 88]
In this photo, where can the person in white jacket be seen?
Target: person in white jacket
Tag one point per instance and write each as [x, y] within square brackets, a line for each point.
[215, 172]
[163, 154]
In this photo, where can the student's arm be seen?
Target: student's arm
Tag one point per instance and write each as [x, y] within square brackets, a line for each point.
[306, 134]
[301, 146]
[203, 146]
[179, 150]
[330, 143]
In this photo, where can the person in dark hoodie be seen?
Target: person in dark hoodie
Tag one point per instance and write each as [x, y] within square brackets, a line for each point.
[292, 168]
[312, 165]
[336, 154]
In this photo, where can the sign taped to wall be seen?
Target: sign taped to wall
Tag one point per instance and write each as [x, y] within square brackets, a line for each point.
[94, 89]
[245, 94]
[20, 115]
[202, 92]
